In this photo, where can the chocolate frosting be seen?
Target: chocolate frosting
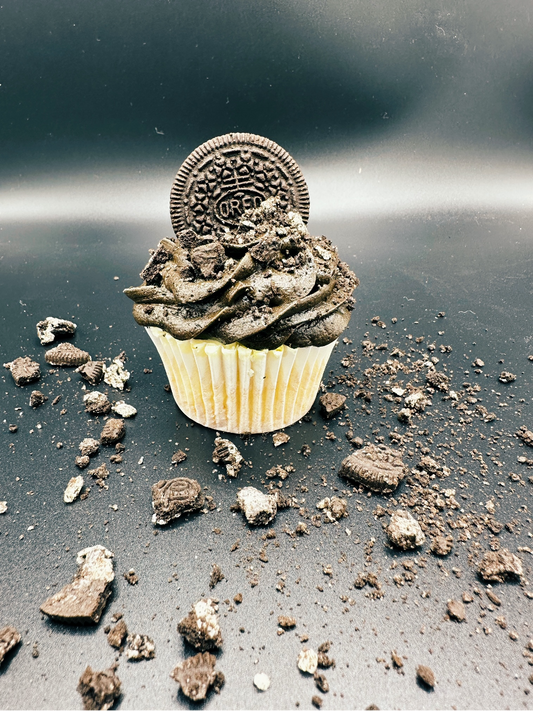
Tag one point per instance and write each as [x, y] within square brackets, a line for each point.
[264, 283]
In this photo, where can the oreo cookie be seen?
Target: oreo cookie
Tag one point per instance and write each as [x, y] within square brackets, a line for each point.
[230, 174]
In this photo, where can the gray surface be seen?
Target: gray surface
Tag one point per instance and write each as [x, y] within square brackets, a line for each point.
[417, 279]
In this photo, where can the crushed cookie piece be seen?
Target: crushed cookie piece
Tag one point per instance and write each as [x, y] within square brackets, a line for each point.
[331, 404]
[286, 622]
[493, 597]
[226, 452]
[378, 468]
[37, 398]
[99, 690]
[65, 355]
[280, 438]
[496, 566]
[333, 508]
[201, 628]
[83, 600]
[124, 410]
[140, 646]
[96, 403]
[525, 435]
[321, 682]
[317, 701]
[113, 431]
[131, 577]
[82, 462]
[24, 370]
[438, 380]
[404, 531]
[456, 610]
[51, 327]
[216, 576]
[89, 447]
[261, 681]
[178, 457]
[506, 377]
[425, 675]
[115, 374]
[92, 371]
[118, 634]
[3, 507]
[441, 545]
[100, 474]
[9, 639]
[396, 659]
[301, 529]
[308, 661]
[173, 497]
[73, 489]
[197, 675]
[259, 508]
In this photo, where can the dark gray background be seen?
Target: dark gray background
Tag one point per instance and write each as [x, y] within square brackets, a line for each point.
[412, 122]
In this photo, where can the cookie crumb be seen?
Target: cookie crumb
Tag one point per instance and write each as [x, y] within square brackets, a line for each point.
[331, 404]
[99, 690]
[24, 370]
[259, 508]
[308, 661]
[197, 675]
[9, 639]
[425, 675]
[113, 431]
[73, 489]
[377, 468]
[280, 438]
[404, 531]
[83, 600]
[173, 497]
[496, 566]
[201, 628]
[51, 327]
[226, 452]
[262, 681]
[140, 646]
[216, 575]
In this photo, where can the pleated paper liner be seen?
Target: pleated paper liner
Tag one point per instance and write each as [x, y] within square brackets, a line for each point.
[236, 389]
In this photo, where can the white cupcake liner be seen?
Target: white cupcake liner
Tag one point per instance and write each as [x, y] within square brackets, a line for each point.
[236, 389]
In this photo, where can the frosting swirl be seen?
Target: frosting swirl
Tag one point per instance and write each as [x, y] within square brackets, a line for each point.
[265, 283]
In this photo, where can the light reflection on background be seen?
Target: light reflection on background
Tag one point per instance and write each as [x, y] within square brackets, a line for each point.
[376, 180]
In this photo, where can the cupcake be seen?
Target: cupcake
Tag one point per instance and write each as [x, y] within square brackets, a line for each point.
[243, 305]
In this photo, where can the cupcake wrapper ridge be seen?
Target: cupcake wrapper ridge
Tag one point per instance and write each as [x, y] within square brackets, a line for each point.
[236, 389]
